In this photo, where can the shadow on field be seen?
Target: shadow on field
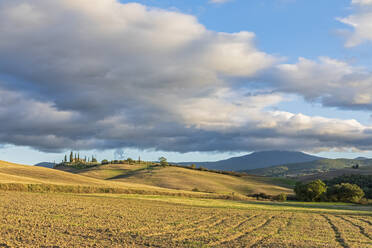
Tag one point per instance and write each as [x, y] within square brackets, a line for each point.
[130, 173]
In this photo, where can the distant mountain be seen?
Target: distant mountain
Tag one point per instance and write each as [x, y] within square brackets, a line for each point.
[45, 164]
[361, 158]
[257, 160]
[312, 168]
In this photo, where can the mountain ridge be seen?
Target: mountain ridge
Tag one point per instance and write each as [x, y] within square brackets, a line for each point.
[256, 160]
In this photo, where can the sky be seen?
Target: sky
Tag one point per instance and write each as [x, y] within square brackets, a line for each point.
[195, 80]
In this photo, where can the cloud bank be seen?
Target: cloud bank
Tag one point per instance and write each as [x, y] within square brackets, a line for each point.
[81, 75]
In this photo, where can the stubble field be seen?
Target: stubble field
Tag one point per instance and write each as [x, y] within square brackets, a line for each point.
[72, 220]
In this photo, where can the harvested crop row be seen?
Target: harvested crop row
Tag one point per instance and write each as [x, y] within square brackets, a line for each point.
[67, 220]
[351, 233]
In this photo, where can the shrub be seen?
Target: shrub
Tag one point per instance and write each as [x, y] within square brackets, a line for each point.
[261, 196]
[281, 197]
[163, 161]
[195, 190]
[345, 192]
[105, 161]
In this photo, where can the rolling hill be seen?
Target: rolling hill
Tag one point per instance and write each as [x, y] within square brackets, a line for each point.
[318, 167]
[142, 178]
[364, 170]
[11, 173]
[179, 178]
[257, 160]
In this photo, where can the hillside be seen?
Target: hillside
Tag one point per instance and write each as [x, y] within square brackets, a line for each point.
[312, 168]
[257, 160]
[179, 178]
[11, 173]
[365, 170]
[15, 173]
[144, 178]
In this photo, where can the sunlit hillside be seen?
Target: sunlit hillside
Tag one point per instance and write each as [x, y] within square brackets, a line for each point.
[11, 173]
[186, 179]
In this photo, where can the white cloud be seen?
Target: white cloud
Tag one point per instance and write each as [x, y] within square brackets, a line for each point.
[99, 74]
[332, 82]
[362, 2]
[219, 1]
[362, 25]
[360, 22]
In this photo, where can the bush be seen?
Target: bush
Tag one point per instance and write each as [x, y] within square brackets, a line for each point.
[313, 191]
[105, 161]
[345, 192]
[163, 161]
[261, 196]
[281, 197]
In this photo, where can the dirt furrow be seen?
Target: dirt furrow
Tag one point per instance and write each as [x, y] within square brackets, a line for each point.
[338, 235]
[361, 228]
[239, 235]
[260, 242]
[203, 227]
[365, 221]
[194, 226]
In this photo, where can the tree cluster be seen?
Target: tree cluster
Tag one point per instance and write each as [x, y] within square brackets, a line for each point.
[75, 158]
[363, 181]
[125, 161]
[318, 191]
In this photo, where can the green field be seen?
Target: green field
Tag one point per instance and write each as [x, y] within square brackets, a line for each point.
[153, 207]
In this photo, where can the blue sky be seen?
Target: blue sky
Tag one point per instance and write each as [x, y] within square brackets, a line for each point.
[290, 28]
[284, 30]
